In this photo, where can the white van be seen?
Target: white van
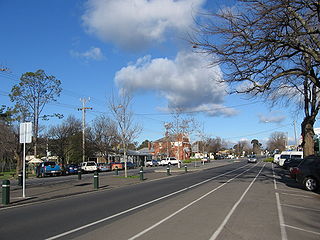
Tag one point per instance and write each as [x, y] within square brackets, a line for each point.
[289, 155]
[89, 166]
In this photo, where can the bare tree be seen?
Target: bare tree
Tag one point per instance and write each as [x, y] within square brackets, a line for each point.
[277, 140]
[269, 49]
[103, 134]
[241, 147]
[120, 108]
[65, 139]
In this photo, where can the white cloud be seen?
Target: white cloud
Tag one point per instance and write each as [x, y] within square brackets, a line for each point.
[135, 24]
[272, 117]
[186, 82]
[93, 53]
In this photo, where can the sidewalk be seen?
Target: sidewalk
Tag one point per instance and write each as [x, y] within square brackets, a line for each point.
[73, 186]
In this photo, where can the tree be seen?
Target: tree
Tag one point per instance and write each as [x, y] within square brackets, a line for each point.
[277, 140]
[241, 147]
[32, 94]
[65, 140]
[256, 146]
[103, 134]
[269, 49]
[120, 108]
[144, 144]
[216, 144]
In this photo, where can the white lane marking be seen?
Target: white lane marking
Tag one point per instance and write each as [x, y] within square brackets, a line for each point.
[139, 206]
[296, 195]
[274, 178]
[280, 214]
[301, 229]
[299, 207]
[185, 207]
[220, 228]
[281, 219]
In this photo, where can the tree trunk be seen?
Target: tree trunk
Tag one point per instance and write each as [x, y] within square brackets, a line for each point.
[307, 136]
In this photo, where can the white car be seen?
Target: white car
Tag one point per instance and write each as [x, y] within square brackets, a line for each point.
[252, 159]
[151, 163]
[89, 166]
[169, 161]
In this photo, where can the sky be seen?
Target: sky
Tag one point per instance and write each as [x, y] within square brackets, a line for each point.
[97, 48]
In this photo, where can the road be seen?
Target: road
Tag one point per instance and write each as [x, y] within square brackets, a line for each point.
[237, 201]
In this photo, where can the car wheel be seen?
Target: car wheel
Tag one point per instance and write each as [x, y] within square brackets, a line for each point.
[310, 184]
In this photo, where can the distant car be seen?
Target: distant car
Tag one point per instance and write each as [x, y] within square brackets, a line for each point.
[104, 167]
[151, 163]
[130, 165]
[89, 166]
[48, 168]
[205, 159]
[72, 169]
[169, 161]
[308, 173]
[252, 159]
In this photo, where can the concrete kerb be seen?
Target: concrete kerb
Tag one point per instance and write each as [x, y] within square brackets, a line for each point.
[44, 193]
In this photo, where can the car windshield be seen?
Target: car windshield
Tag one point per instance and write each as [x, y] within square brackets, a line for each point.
[285, 156]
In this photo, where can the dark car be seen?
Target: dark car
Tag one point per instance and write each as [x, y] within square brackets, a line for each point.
[291, 162]
[72, 169]
[130, 165]
[308, 173]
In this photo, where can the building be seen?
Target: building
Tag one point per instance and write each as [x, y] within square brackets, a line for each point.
[172, 146]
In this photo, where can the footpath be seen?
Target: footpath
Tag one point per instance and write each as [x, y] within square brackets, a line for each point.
[40, 190]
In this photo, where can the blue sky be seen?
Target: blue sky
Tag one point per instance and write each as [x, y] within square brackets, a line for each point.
[96, 47]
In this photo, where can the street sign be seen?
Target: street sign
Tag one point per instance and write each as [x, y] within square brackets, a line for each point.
[26, 132]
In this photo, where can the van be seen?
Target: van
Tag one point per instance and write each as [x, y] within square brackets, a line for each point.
[289, 155]
[89, 166]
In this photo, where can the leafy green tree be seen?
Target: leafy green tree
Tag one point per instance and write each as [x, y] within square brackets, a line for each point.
[31, 95]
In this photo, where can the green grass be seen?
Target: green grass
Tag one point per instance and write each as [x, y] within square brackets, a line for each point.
[270, 159]
[12, 175]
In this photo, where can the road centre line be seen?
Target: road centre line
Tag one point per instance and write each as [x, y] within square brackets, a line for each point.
[185, 207]
[225, 221]
[280, 214]
[301, 229]
[142, 205]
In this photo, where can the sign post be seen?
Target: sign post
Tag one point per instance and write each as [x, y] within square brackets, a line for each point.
[25, 137]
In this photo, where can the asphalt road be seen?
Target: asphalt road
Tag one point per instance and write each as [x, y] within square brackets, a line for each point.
[237, 201]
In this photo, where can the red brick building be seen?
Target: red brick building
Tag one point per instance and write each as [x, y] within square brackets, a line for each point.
[172, 146]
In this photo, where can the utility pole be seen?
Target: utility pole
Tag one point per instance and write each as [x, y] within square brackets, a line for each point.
[83, 109]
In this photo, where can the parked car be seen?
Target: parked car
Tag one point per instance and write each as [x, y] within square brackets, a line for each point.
[72, 169]
[285, 155]
[169, 161]
[104, 167]
[291, 162]
[151, 163]
[116, 165]
[48, 168]
[308, 173]
[252, 159]
[89, 166]
[130, 165]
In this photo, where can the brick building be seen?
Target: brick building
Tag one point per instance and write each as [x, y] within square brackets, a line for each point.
[172, 146]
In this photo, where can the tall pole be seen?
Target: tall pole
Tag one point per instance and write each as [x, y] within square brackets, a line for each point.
[295, 134]
[83, 109]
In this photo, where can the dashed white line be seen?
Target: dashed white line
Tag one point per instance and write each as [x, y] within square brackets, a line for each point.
[296, 195]
[281, 219]
[220, 228]
[299, 207]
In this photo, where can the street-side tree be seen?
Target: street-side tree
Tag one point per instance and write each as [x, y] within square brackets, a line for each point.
[120, 108]
[241, 147]
[103, 134]
[32, 94]
[216, 144]
[256, 146]
[277, 140]
[268, 49]
[65, 140]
